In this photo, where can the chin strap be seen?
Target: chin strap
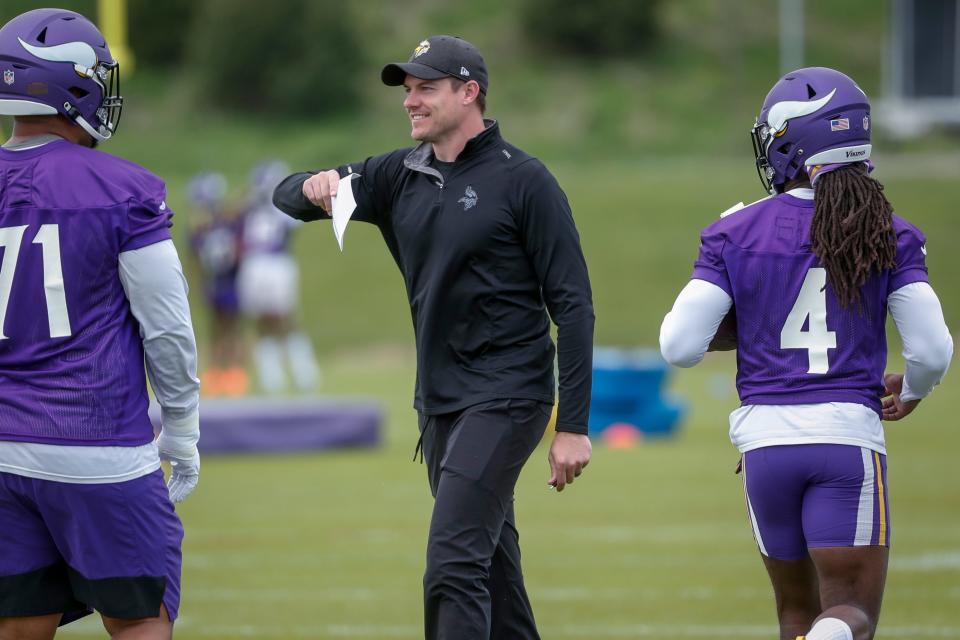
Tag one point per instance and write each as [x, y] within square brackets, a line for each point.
[74, 115]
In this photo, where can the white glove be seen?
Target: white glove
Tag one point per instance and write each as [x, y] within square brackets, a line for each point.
[181, 452]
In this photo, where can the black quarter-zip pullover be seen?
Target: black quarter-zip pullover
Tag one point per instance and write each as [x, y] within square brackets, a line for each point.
[487, 247]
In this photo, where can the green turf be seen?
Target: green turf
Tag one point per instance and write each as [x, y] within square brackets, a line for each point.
[651, 542]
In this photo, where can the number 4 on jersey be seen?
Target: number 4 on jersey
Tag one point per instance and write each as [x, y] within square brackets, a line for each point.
[812, 304]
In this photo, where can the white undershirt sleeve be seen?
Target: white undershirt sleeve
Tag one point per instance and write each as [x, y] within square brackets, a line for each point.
[153, 280]
[687, 330]
[927, 344]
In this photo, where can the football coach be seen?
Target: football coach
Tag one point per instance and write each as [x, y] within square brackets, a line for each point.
[487, 246]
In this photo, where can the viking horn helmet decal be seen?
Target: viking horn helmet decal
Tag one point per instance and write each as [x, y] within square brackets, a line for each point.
[782, 112]
[79, 53]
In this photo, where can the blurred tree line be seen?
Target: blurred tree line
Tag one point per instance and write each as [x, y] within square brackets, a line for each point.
[300, 57]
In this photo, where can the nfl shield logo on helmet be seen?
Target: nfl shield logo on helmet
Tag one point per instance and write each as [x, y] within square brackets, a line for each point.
[8, 76]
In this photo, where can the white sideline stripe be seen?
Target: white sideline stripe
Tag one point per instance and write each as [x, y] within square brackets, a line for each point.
[551, 631]
[338, 594]
[540, 594]
[295, 559]
[639, 534]
[644, 533]
[934, 561]
[700, 594]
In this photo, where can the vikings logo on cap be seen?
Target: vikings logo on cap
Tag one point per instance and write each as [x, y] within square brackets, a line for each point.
[422, 48]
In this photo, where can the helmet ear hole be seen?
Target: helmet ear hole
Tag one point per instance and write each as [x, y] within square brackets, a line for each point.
[79, 93]
[785, 148]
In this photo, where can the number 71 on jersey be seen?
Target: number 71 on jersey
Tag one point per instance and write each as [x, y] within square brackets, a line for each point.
[48, 237]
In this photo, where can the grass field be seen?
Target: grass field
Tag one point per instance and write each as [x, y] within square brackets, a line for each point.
[651, 542]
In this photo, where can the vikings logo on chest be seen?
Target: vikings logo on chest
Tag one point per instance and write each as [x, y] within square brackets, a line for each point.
[469, 199]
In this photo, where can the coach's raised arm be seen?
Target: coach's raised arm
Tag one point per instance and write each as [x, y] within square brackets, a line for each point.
[291, 195]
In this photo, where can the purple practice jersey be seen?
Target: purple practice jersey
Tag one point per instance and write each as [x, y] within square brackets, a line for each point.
[217, 247]
[795, 344]
[71, 356]
[266, 230]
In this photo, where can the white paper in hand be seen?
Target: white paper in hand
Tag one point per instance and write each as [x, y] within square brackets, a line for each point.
[343, 206]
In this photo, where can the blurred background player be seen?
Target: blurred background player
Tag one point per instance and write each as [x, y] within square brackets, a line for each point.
[268, 284]
[90, 288]
[215, 241]
[811, 272]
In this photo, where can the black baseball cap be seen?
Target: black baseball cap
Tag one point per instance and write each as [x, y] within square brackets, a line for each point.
[439, 57]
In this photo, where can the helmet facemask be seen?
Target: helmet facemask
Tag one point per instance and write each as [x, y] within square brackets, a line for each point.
[761, 138]
[107, 116]
[108, 77]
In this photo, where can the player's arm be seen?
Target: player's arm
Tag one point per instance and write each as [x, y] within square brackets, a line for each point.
[153, 280]
[927, 348]
[699, 320]
[552, 243]
[691, 325]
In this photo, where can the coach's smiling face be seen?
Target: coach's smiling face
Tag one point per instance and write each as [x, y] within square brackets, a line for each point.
[435, 108]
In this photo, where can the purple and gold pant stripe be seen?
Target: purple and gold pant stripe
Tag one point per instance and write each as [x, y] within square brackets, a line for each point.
[873, 515]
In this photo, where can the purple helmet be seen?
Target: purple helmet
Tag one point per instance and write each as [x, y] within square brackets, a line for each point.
[208, 191]
[265, 177]
[56, 61]
[811, 117]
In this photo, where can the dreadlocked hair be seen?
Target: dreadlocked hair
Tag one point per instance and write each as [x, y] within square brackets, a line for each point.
[852, 229]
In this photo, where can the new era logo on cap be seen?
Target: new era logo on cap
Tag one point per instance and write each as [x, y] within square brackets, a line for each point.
[438, 57]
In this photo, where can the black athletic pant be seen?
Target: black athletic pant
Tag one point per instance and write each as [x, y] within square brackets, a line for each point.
[473, 585]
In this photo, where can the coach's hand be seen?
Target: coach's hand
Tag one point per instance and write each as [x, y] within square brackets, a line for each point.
[181, 452]
[569, 454]
[893, 407]
[321, 188]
